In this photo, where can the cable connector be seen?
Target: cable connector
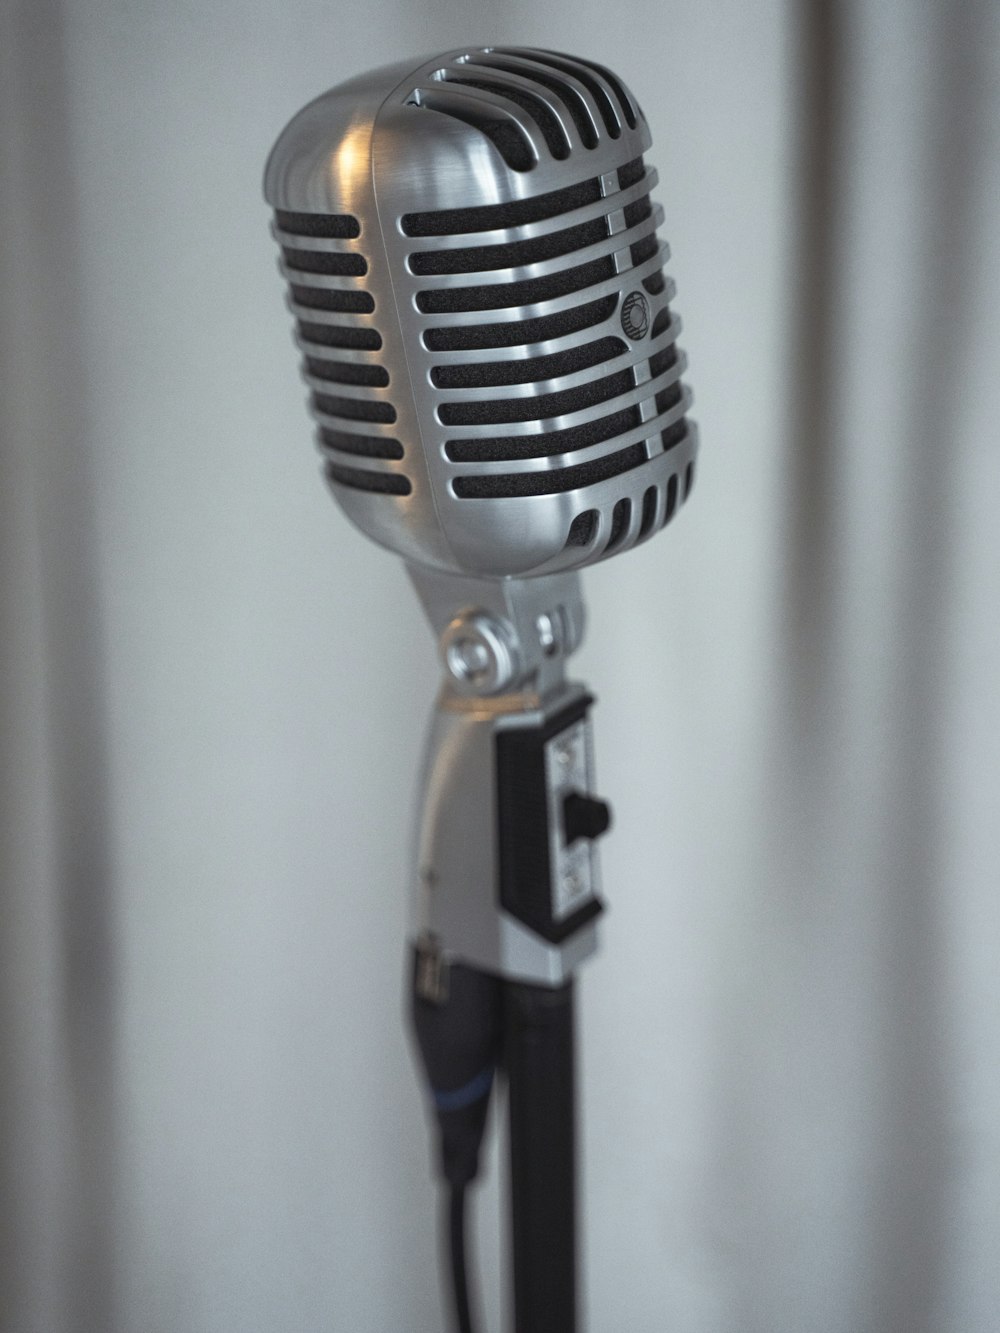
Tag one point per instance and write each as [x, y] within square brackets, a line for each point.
[456, 1014]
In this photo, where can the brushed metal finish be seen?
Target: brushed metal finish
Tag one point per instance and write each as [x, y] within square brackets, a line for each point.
[569, 372]
[392, 143]
[456, 902]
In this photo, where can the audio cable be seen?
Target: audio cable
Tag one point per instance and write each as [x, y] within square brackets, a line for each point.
[456, 1014]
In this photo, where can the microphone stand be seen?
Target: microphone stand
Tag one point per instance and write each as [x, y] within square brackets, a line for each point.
[507, 897]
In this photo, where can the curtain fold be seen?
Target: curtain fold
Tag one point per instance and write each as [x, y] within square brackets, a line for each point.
[212, 693]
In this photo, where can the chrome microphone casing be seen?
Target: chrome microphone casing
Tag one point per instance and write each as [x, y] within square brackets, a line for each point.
[561, 437]
[477, 285]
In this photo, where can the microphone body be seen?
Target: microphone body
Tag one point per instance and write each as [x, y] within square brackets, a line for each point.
[478, 289]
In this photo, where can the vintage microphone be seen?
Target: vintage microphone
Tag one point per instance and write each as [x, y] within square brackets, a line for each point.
[478, 290]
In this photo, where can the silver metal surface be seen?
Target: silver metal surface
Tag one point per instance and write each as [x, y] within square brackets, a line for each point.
[536, 624]
[540, 622]
[456, 904]
[470, 247]
[410, 139]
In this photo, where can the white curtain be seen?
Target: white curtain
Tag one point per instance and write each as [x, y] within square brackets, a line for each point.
[213, 695]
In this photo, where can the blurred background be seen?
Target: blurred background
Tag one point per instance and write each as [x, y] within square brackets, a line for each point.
[213, 693]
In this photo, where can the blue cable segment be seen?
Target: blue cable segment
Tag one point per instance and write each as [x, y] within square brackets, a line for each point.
[465, 1096]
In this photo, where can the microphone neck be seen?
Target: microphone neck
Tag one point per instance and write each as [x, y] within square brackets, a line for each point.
[502, 641]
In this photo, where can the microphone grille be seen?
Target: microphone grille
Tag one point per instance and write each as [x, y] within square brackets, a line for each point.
[628, 409]
[348, 381]
[484, 247]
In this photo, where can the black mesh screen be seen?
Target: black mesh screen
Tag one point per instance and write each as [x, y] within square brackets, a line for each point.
[353, 409]
[364, 446]
[517, 332]
[360, 479]
[325, 261]
[482, 258]
[537, 407]
[569, 96]
[325, 298]
[338, 226]
[347, 372]
[631, 172]
[340, 335]
[493, 217]
[648, 516]
[576, 70]
[545, 443]
[673, 435]
[525, 370]
[552, 131]
[363, 374]
[582, 529]
[624, 101]
[621, 516]
[552, 482]
[644, 249]
[501, 294]
[671, 499]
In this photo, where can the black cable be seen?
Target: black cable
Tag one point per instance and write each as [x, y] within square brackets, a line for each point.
[457, 1014]
[456, 1250]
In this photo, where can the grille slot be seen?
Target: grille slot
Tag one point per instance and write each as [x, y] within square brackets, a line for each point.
[624, 101]
[662, 361]
[330, 298]
[638, 211]
[648, 517]
[498, 217]
[363, 446]
[582, 529]
[580, 71]
[643, 386]
[482, 258]
[644, 249]
[358, 479]
[671, 504]
[498, 486]
[499, 295]
[673, 435]
[340, 335]
[660, 323]
[325, 270]
[526, 370]
[506, 135]
[570, 97]
[543, 444]
[538, 406]
[515, 333]
[337, 226]
[621, 516]
[353, 409]
[347, 372]
[552, 132]
[631, 173]
[668, 398]
[324, 261]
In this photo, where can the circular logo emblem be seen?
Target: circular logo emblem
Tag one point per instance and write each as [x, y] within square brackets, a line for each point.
[635, 315]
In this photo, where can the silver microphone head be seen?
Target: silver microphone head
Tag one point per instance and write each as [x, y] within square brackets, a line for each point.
[479, 298]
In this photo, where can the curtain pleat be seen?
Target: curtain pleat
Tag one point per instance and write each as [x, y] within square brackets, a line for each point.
[212, 693]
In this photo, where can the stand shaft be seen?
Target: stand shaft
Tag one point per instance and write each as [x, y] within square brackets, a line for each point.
[539, 1060]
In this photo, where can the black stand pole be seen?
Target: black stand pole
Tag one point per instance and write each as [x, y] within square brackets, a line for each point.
[539, 1063]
